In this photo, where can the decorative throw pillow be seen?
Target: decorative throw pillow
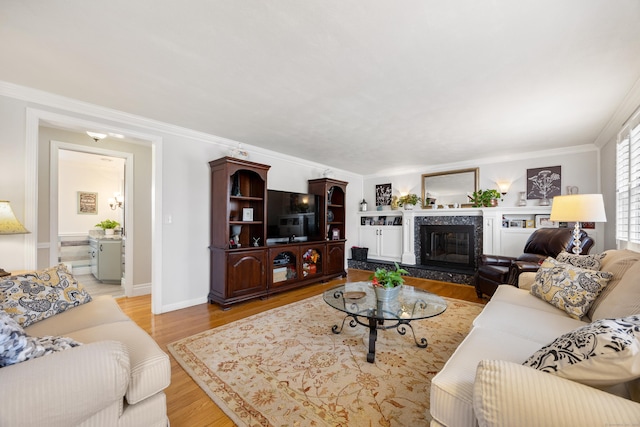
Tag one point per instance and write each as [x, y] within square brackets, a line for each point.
[572, 289]
[16, 346]
[590, 262]
[600, 354]
[34, 296]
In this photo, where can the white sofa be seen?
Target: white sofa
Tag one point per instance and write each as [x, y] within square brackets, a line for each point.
[484, 382]
[116, 378]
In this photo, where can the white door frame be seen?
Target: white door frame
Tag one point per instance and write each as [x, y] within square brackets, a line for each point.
[34, 118]
[55, 148]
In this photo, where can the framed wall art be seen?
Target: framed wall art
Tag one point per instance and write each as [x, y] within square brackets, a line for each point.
[544, 183]
[383, 195]
[87, 203]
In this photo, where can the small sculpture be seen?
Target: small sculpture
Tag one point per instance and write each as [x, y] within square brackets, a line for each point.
[256, 241]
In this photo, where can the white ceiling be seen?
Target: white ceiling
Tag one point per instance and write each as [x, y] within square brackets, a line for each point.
[360, 85]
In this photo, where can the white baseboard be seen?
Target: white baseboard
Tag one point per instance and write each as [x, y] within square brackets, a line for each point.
[183, 304]
[142, 289]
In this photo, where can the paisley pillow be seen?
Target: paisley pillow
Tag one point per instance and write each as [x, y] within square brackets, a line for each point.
[600, 354]
[590, 262]
[569, 288]
[16, 346]
[34, 296]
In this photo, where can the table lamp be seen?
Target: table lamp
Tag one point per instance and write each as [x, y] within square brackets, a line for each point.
[578, 208]
[9, 224]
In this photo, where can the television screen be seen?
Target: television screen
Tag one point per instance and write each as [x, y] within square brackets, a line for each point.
[292, 214]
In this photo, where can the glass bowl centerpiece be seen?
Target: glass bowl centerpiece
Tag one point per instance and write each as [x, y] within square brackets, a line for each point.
[388, 283]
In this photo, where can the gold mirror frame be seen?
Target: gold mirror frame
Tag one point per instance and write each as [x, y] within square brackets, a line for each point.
[456, 183]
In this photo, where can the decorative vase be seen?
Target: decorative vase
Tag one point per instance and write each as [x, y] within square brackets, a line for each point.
[108, 232]
[387, 294]
[523, 199]
[408, 207]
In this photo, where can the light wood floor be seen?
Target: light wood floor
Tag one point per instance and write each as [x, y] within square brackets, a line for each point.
[187, 404]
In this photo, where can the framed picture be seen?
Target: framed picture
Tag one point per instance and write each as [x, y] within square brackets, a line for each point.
[383, 195]
[397, 220]
[544, 183]
[516, 223]
[87, 203]
[530, 223]
[543, 221]
[335, 234]
[247, 214]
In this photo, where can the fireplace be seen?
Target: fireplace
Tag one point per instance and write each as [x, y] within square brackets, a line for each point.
[447, 246]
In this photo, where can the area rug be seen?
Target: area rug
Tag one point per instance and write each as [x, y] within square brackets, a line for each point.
[285, 367]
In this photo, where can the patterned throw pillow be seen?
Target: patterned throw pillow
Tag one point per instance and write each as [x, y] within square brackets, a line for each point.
[34, 296]
[600, 354]
[572, 289]
[16, 346]
[590, 262]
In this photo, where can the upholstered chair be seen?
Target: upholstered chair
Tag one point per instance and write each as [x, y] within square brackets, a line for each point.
[495, 270]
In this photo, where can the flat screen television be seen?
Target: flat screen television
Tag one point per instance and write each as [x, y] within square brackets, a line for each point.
[292, 214]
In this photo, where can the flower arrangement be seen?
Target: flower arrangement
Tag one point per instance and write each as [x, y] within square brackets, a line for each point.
[311, 256]
[388, 279]
[409, 199]
[484, 198]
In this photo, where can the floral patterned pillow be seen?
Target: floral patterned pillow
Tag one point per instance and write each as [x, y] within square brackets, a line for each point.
[572, 289]
[590, 262]
[37, 295]
[600, 354]
[16, 346]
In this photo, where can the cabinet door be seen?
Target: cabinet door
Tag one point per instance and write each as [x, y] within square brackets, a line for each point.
[391, 242]
[335, 258]
[246, 273]
[369, 239]
[284, 265]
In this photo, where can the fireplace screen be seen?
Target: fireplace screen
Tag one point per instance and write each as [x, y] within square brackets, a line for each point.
[447, 245]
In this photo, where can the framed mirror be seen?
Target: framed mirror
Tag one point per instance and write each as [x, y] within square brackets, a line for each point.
[449, 188]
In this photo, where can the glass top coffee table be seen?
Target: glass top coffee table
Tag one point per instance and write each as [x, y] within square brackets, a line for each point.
[358, 301]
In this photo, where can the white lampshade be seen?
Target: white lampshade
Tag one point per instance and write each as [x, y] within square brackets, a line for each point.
[579, 208]
[9, 224]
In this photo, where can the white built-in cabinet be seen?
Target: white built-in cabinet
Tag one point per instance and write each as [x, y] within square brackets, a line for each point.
[381, 237]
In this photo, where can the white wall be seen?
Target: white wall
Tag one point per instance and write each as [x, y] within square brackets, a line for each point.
[75, 176]
[181, 205]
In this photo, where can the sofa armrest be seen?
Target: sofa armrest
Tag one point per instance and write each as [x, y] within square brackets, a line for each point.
[519, 267]
[64, 388]
[504, 261]
[509, 394]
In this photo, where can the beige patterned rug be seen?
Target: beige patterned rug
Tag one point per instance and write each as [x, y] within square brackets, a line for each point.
[285, 367]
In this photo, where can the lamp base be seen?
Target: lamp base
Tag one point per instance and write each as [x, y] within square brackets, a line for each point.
[4, 273]
[576, 239]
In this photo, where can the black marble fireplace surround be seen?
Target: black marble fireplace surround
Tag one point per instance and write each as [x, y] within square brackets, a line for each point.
[445, 273]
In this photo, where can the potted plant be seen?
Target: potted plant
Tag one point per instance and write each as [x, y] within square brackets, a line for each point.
[408, 201]
[484, 198]
[108, 225]
[387, 284]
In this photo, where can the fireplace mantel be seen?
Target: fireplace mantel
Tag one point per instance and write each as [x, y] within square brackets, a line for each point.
[492, 241]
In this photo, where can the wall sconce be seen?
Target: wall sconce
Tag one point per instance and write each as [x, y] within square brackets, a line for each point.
[116, 202]
[97, 136]
[504, 187]
[9, 224]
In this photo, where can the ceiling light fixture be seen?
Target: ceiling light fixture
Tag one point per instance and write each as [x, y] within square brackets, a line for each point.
[97, 136]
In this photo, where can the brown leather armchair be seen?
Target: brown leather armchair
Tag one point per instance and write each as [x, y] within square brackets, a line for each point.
[495, 270]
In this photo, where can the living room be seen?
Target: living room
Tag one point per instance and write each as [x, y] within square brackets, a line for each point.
[560, 103]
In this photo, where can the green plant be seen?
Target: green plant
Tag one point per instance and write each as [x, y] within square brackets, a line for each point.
[108, 224]
[483, 198]
[409, 199]
[388, 279]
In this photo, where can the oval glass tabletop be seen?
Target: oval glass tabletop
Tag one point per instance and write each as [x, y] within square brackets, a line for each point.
[359, 299]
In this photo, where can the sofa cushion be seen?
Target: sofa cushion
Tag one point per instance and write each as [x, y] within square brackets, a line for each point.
[572, 289]
[452, 388]
[600, 354]
[590, 262]
[16, 346]
[37, 295]
[624, 299]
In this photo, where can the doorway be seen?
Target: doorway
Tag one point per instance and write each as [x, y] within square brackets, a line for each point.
[91, 189]
[77, 170]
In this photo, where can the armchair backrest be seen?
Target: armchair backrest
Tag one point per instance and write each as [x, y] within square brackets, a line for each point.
[551, 241]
